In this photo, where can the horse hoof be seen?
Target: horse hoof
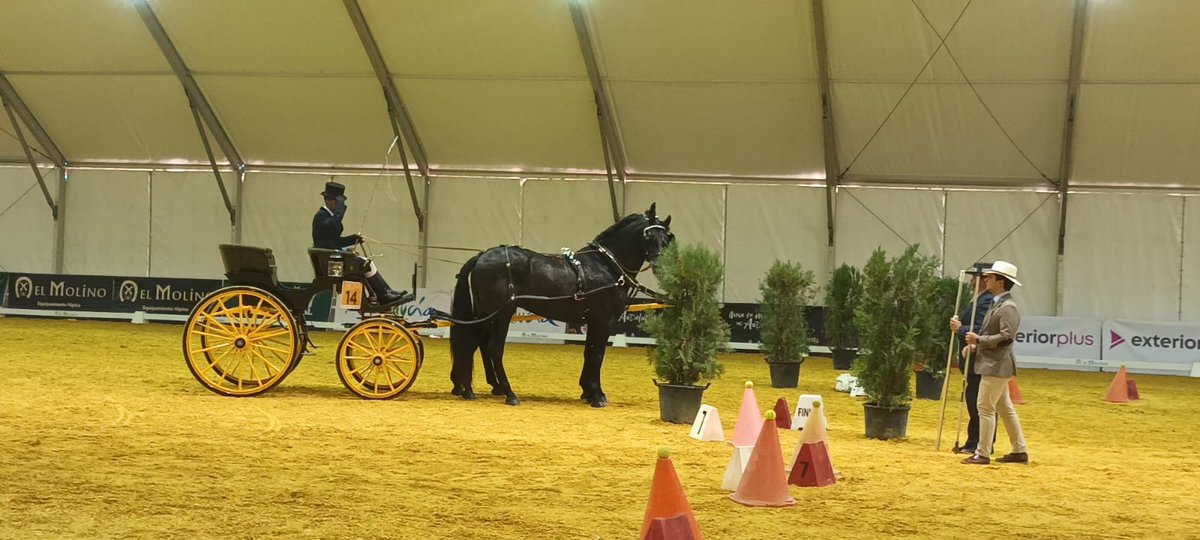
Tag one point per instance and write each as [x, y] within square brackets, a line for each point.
[512, 400]
[497, 392]
[601, 403]
[468, 395]
[457, 391]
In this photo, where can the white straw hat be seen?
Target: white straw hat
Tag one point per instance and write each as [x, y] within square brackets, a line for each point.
[1004, 268]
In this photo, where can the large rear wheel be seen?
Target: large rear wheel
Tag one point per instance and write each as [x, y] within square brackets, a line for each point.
[379, 358]
[241, 341]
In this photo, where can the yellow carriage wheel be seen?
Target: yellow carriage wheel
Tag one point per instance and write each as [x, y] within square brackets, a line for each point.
[378, 358]
[240, 341]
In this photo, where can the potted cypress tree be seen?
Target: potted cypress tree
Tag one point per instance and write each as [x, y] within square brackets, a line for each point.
[931, 367]
[889, 319]
[787, 289]
[690, 332]
[841, 299]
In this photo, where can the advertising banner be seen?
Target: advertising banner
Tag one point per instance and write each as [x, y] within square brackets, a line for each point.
[1058, 337]
[160, 295]
[55, 292]
[1145, 341]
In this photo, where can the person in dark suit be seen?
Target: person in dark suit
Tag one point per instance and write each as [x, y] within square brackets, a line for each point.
[981, 303]
[992, 348]
[327, 234]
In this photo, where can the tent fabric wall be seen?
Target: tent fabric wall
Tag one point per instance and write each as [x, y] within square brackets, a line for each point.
[560, 213]
[380, 208]
[188, 220]
[107, 223]
[891, 219]
[769, 223]
[277, 213]
[1018, 227]
[26, 224]
[1190, 292]
[1122, 258]
[476, 213]
[697, 214]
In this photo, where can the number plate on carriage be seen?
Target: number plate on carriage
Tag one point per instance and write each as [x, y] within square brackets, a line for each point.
[335, 269]
[351, 297]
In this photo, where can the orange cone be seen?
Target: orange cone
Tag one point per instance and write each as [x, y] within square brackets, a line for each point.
[765, 483]
[812, 467]
[749, 421]
[1014, 393]
[783, 415]
[676, 527]
[666, 496]
[1118, 391]
[1132, 389]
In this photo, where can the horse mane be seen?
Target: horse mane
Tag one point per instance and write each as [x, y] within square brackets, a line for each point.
[619, 227]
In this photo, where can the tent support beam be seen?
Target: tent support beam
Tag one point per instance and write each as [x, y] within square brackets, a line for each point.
[832, 167]
[212, 161]
[194, 94]
[610, 140]
[12, 117]
[398, 117]
[1065, 162]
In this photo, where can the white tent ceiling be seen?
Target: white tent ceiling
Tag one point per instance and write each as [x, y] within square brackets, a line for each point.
[714, 89]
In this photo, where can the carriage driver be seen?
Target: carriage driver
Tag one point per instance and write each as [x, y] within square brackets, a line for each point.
[327, 234]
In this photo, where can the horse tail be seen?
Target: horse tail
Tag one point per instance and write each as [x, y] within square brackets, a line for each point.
[462, 305]
[464, 339]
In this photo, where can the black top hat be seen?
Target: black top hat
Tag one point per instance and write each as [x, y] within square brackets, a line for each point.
[334, 190]
[979, 268]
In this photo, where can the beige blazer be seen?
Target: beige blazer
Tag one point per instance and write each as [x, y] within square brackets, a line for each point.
[993, 354]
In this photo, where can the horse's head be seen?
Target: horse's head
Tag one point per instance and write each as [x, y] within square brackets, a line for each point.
[656, 235]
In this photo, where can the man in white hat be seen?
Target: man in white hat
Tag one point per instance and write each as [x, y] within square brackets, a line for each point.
[995, 363]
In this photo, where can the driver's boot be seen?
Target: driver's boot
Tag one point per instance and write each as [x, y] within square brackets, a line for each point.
[384, 295]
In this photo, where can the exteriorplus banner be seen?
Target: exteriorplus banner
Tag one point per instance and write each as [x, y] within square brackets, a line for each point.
[1144, 341]
[1058, 337]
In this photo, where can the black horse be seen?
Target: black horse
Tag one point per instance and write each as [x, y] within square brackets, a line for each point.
[593, 288]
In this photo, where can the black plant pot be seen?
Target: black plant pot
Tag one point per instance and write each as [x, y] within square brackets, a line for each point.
[929, 386]
[784, 374]
[679, 403]
[884, 423]
[844, 358]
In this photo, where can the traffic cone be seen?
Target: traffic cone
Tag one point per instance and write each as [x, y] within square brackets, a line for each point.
[1118, 391]
[749, 421]
[812, 467]
[765, 483]
[666, 497]
[676, 527]
[815, 431]
[1133, 394]
[1014, 393]
[783, 415]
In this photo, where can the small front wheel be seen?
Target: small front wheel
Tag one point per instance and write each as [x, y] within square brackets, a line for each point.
[378, 358]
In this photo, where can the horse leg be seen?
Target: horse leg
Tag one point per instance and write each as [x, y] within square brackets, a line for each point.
[489, 372]
[464, 339]
[494, 354]
[593, 358]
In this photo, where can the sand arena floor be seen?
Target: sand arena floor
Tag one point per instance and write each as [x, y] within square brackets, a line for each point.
[104, 434]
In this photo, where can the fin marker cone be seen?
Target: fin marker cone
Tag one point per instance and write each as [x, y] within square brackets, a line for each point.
[764, 482]
[666, 496]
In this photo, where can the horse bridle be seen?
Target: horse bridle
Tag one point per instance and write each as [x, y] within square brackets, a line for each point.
[626, 275]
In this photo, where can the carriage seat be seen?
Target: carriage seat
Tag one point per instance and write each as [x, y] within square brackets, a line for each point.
[331, 263]
[249, 265]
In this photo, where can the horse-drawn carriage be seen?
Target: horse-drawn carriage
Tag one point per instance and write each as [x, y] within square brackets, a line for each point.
[244, 339]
